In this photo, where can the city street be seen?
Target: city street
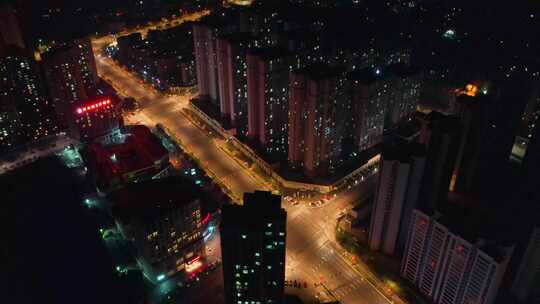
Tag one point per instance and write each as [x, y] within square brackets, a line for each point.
[166, 110]
[312, 253]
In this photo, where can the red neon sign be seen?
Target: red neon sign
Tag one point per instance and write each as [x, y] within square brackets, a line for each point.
[94, 106]
[206, 219]
[195, 259]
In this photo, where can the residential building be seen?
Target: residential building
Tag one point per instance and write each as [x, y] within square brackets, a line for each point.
[317, 105]
[95, 119]
[400, 176]
[26, 114]
[369, 94]
[204, 38]
[232, 74]
[441, 135]
[268, 99]
[253, 249]
[526, 284]
[71, 74]
[405, 85]
[10, 30]
[447, 267]
[162, 218]
[529, 94]
[477, 118]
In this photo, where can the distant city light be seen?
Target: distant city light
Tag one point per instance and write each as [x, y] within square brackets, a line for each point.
[469, 90]
[450, 34]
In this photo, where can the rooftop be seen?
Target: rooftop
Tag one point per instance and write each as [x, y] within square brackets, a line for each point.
[258, 208]
[444, 123]
[404, 152]
[321, 71]
[138, 149]
[270, 53]
[150, 199]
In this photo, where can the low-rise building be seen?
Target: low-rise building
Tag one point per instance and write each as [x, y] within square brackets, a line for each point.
[135, 154]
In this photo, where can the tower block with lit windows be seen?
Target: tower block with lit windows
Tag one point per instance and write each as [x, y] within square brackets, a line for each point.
[253, 249]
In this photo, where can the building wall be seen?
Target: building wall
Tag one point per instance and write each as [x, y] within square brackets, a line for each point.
[206, 61]
[400, 174]
[167, 243]
[268, 86]
[369, 109]
[443, 136]
[418, 235]
[317, 107]
[431, 269]
[10, 31]
[418, 164]
[253, 253]
[95, 123]
[232, 72]
[256, 97]
[387, 208]
[448, 269]
[71, 75]
[26, 114]
[526, 282]
[225, 76]
[239, 105]
[405, 97]
[297, 116]
[453, 276]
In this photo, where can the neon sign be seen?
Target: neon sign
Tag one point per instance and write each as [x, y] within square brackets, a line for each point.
[206, 219]
[94, 106]
[193, 264]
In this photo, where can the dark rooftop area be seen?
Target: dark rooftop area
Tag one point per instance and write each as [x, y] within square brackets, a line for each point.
[270, 53]
[403, 152]
[258, 207]
[321, 71]
[150, 199]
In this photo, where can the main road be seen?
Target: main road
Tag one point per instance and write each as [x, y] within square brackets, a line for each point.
[313, 255]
